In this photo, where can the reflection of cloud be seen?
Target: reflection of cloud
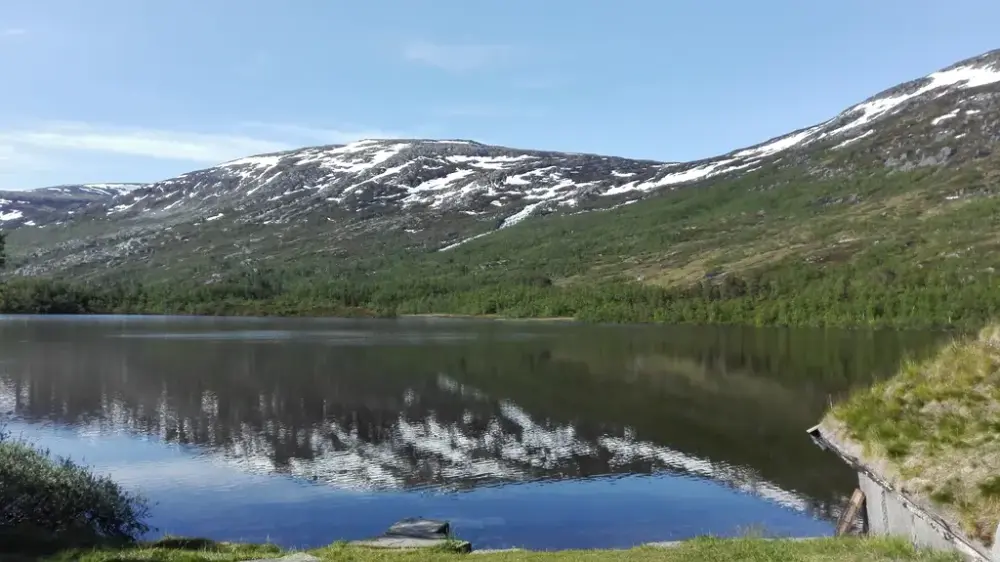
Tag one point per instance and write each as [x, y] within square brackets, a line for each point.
[148, 467]
[186, 472]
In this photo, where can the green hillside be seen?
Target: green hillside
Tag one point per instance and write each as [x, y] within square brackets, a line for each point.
[913, 248]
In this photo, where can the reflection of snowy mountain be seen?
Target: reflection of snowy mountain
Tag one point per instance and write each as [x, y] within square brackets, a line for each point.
[421, 447]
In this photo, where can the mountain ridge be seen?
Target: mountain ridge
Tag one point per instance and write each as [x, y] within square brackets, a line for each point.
[980, 70]
[44, 205]
[371, 199]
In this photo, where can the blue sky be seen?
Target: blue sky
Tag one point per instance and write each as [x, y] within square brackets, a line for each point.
[140, 90]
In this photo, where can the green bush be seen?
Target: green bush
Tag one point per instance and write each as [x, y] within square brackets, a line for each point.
[52, 499]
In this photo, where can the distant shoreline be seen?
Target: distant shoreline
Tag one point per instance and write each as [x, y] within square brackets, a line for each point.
[259, 314]
[491, 317]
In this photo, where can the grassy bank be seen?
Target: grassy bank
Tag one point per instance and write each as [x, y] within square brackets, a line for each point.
[934, 430]
[47, 502]
[697, 550]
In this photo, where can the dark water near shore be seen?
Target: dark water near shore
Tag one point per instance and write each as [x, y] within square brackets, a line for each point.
[522, 434]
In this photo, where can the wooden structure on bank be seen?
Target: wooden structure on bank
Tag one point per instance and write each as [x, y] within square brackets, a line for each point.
[887, 511]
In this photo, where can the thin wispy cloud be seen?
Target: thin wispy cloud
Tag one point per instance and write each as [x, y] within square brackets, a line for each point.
[469, 111]
[320, 135]
[256, 65]
[540, 83]
[457, 57]
[13, 32]
[15, 163]
[13, 159]
[195, 147]
[153, 143]
[486, 111]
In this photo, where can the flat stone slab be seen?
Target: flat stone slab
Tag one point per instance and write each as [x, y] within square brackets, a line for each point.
[297, 557]
[420, 529]
[407, 543]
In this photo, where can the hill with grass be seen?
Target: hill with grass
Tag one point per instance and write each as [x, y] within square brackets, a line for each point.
[885, 214]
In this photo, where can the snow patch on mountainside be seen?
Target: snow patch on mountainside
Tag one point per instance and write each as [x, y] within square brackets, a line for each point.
[520, 215]
[777, 145]
[966, 76]
[98, 189]
[962, 76]
[506, 223]
[113, 188]
[852, 140]
[950, 115]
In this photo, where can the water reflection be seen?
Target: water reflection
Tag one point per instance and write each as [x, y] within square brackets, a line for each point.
[452, 405]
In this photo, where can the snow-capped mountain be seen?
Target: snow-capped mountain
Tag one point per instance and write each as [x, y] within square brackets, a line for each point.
[92, 189]
[945, 103]
[510, 183]
[387, 174]
[49, 204]
[947, 118]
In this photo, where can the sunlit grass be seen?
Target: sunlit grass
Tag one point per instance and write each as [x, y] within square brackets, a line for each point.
[697, 550]
[937, 426]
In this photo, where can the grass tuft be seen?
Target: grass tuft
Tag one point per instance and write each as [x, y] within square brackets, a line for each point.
[936, 423]
[703, 549]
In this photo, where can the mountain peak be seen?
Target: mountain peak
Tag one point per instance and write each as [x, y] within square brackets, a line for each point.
[987, 59]
[373, 186]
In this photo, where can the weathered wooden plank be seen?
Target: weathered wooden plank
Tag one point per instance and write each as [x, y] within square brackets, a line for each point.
[851, 513]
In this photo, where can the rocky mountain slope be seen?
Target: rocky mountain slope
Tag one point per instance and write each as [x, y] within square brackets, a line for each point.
[52, 204]
[383, 196]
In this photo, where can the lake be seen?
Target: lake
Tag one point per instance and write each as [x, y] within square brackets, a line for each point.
[530, 434]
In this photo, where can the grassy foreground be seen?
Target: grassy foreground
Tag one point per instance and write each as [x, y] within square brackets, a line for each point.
[701, 549]
[934, 429]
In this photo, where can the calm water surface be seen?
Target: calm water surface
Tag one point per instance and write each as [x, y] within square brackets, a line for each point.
[522, 434]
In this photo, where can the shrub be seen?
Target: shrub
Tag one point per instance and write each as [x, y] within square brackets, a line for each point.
[53, 499]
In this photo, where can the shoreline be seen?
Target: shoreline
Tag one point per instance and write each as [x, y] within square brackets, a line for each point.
[496, 317]
[256, 314]
[786, 304]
